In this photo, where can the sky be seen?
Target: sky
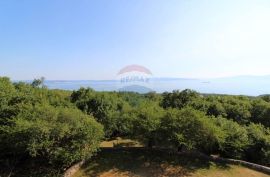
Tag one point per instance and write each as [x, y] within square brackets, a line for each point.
[94, 39]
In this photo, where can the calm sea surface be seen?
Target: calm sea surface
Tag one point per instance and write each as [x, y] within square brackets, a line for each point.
[244, 86]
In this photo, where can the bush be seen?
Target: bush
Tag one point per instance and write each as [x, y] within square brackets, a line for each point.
[191, 129]
[260, 112]
[62, 136]
[105, 107]
[235, 139]
[237, 108]
[178, 99]
[147, 122]
[259, 144]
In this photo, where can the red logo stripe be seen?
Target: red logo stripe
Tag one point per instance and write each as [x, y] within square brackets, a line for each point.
[131, 68]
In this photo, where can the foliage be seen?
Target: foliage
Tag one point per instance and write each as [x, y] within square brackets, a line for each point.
[235, 139]
[191, 129]
[265, 98]
[61, 135]
[237, 108]
[178, 99]
[260, 112]
[38, 82]
[215, 108]
[259, 144]
[63, 127]
[147, 122]
[44, 124]
[105, 107]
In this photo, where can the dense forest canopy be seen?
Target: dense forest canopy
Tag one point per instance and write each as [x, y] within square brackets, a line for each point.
[64, 127]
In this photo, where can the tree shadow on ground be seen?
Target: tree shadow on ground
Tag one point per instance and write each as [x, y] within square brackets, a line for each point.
[144, 162]
[29, 167]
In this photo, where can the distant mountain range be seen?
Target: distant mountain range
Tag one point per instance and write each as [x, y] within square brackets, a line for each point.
[237, 85]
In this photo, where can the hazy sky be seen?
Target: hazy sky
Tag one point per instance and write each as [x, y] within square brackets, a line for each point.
[87, 39]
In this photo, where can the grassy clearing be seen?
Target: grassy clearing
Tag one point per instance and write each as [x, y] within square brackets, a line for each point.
[119, 142]
[144, 163]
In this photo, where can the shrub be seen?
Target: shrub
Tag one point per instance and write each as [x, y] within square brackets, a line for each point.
[258, 149]
[147, 122]
[235, 139]
[60, 135]
[190, 128]
[261, 112]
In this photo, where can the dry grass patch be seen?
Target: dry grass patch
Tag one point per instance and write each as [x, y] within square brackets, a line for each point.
[146, 163]
[119, 142]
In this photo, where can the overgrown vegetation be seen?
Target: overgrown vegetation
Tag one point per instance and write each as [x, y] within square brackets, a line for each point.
[37, 123]
[63, 127]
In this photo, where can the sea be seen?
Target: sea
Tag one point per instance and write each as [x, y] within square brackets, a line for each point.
[239, 85]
